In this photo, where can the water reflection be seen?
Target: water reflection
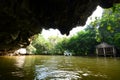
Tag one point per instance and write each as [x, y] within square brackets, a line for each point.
[53, 69]
[20, 60]
[47, 73]
[19, 63]
[64, 69]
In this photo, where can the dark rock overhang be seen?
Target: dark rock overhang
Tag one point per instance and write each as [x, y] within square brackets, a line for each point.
[20, 19]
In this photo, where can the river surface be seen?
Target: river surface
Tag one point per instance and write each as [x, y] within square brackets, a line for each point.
[59, 68]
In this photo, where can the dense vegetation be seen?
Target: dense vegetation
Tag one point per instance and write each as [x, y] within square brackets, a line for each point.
[105, 29]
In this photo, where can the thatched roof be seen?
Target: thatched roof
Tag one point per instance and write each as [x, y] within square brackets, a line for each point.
[103, 45]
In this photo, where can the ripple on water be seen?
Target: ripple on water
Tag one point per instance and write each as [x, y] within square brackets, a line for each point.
[48, 73]
[18, 74]
[58, 74]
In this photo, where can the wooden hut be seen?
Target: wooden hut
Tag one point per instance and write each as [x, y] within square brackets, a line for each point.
[105, 49]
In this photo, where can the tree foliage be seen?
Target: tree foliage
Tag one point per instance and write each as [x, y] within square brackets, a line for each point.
[109, 26]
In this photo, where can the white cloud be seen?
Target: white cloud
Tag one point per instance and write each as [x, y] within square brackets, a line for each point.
[51, 32]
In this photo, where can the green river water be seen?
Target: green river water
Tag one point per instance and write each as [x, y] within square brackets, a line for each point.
[59, 68]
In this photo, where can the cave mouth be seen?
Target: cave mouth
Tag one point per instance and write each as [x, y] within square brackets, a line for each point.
[21, 19]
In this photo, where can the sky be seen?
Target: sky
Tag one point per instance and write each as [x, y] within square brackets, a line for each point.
[55, 32]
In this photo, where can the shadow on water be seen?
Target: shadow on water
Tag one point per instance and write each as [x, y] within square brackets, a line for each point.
[59, 68]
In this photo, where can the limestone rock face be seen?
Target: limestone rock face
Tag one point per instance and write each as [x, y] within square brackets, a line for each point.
[20, 19]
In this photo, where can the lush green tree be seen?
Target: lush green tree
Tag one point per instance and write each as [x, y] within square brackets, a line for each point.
[40, 44]
[60, 47]
[109, 26]
[81, 44]
[31, 49]
[117, 40]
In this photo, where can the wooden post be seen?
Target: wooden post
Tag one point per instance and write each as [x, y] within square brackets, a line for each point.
[97, 51]
[104, 52]
[114, 53]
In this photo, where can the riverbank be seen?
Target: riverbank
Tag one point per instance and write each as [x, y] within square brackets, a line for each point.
[11, 54]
